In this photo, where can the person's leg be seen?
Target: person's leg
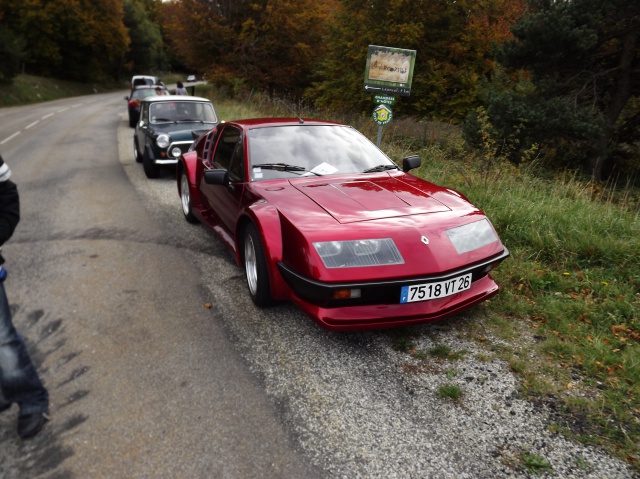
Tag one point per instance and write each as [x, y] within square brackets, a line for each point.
[19, 381]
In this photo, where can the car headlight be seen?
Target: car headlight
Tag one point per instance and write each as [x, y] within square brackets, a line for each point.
[358, 253]
[175, 152]
[472, 236]
[162, 141]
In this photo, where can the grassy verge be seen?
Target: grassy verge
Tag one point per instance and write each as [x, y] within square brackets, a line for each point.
[570, 299]
[32, 89]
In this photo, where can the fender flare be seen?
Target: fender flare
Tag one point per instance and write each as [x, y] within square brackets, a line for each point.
[188, 162]
[266, 219]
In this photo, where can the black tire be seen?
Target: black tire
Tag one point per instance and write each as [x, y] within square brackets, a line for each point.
[185, 199]
[150, 168]
[136, 151]
[132, 121]
[255, 265]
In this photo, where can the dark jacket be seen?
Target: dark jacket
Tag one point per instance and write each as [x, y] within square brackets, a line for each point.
[9, 205]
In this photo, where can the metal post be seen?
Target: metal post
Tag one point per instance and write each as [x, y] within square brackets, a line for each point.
[379, 136]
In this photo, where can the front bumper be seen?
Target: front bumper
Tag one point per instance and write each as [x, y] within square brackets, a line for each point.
[164, 156]
[379, 303]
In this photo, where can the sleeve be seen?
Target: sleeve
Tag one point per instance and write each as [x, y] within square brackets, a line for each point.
[9, 204]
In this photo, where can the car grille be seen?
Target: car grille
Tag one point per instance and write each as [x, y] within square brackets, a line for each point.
[183, 145]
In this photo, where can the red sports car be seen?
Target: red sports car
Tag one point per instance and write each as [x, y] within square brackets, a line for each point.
[317, 214]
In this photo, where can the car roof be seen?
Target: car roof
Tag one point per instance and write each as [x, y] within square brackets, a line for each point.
[149, 87]
[160, 98]
[135, 77]
[267, 122]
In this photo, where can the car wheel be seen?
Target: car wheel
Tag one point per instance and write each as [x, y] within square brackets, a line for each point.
[150, 168]
[255, 266]
[185, 197]
[136, 151]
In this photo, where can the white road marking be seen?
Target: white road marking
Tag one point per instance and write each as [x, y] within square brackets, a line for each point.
[9, 138]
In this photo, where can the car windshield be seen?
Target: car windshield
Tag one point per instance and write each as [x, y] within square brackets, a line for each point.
[181, 111]
[142, 93]
[311, 150]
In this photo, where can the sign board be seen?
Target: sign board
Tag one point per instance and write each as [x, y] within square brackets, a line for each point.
[389, 70]
[382, 115]
[384, 99]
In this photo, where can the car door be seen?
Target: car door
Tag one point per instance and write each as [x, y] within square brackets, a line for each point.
[228, 155]
[141, 131]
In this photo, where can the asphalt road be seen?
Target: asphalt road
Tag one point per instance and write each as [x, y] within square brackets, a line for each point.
[109, 286]
[143, 379]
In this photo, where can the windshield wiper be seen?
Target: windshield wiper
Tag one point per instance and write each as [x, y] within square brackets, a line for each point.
[284, 167]
[384, 167]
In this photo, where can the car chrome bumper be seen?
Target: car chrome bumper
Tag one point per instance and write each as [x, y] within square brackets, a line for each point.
[169, 161]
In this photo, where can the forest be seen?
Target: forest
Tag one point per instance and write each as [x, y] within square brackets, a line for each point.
[556, 78]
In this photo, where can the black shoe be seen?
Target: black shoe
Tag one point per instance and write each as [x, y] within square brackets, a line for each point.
[31, 424]
[4, 405]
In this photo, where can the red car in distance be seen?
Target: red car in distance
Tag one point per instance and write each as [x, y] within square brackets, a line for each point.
[317, 214]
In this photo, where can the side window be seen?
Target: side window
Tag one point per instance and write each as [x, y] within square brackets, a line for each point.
[236, 169]
[229, 138]
[144, 113]
[208, 142]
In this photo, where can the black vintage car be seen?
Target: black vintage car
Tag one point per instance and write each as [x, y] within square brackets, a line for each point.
[136, 96]
[167, 127]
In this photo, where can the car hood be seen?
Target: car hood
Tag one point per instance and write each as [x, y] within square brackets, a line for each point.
[375, 198]
[415, 213]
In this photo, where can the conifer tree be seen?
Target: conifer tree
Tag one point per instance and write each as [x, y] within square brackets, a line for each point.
[583, 58]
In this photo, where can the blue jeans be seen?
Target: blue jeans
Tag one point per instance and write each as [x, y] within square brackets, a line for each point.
[19, 381]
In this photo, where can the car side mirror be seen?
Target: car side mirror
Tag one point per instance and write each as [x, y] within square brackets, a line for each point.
[126, 98]
[216, 177]
[410, 162]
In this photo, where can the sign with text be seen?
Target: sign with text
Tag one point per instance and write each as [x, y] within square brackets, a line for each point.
[384, 99]
[382, 115]
[389, 70]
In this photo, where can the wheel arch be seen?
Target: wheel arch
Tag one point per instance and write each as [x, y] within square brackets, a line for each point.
[266, 219]
[188, 164]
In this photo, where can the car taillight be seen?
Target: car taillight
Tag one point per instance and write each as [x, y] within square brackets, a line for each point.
[133, 104]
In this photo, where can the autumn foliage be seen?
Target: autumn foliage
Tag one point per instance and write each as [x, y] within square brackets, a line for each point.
[317, 50]
[560, 77]
[79, 40]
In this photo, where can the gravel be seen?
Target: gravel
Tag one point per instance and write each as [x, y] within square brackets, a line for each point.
[361, 409]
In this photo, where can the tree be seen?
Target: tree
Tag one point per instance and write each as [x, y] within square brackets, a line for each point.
[266, 44]
[80, 40]
[452, 38]
[280, 43]
[203, 34]
[11, 52]
[583, 57]
[146, 52]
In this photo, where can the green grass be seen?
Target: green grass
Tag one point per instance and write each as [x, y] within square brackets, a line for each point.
[32, 89]
[449, 391]
[442, 351]
[569, 305]
[535, 464]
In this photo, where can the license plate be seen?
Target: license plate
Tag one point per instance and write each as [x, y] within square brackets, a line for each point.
[439, 289]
